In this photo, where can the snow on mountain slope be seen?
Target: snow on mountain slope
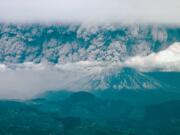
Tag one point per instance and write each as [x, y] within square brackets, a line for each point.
[116, 79]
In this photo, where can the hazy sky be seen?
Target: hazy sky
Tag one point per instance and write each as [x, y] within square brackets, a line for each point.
[88, 11]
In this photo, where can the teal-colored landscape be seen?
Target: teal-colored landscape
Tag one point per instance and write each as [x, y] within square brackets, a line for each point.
[101, 113]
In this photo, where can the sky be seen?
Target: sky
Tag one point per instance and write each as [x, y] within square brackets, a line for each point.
[90, 11]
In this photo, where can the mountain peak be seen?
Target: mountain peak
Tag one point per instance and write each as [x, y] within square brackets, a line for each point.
[118, 79]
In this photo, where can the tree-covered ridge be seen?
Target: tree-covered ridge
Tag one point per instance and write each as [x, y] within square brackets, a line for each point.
[102, 112]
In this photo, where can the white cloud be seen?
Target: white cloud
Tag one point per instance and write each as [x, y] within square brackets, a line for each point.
[151, 11]
[166, 60]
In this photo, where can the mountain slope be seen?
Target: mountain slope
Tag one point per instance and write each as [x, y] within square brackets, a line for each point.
[117, 79]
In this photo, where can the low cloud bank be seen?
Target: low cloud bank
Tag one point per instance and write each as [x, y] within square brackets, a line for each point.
[23, 81]
[88, 11]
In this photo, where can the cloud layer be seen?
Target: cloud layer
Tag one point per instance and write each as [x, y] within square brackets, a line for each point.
[88, 11]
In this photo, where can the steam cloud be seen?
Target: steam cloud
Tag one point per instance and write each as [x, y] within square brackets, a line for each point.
[166, 60]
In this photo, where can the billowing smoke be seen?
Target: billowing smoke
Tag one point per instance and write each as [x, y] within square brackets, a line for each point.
[88, 11]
